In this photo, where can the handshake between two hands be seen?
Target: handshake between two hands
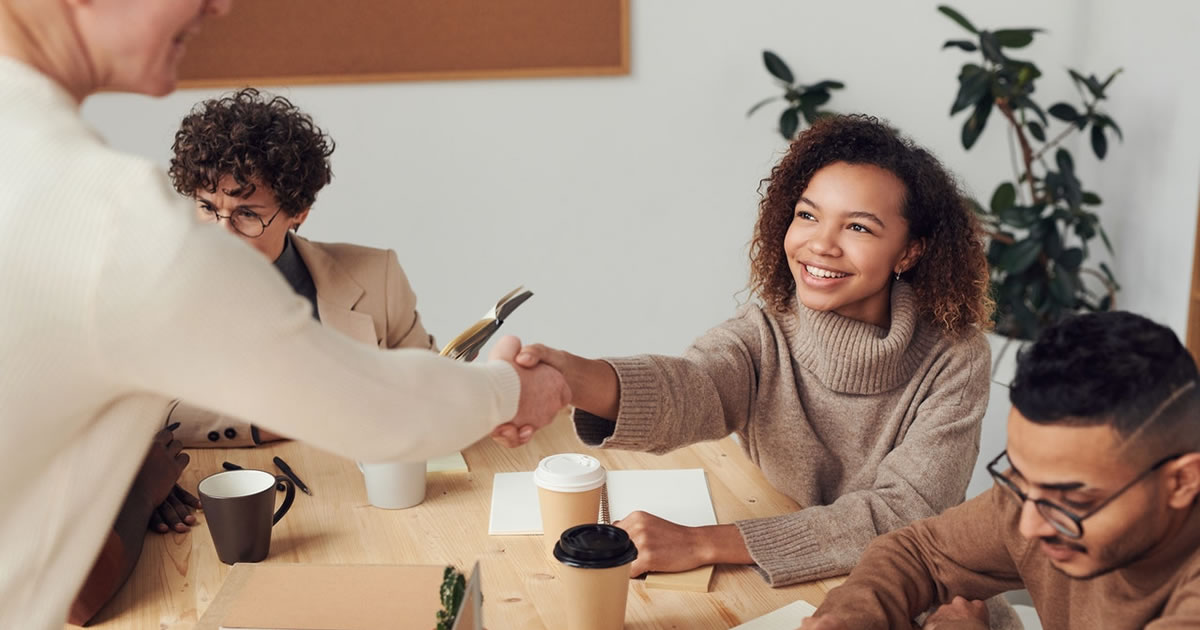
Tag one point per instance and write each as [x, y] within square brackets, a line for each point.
[544, 388]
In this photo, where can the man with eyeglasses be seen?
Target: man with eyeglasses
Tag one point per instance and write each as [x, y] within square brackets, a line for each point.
[1094, 509]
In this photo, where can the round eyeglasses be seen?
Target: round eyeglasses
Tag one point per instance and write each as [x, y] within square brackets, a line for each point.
[243, 220]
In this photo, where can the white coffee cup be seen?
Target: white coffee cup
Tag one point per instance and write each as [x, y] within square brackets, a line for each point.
[394, 485]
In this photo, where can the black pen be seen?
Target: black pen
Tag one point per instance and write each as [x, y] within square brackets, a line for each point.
[287, 470]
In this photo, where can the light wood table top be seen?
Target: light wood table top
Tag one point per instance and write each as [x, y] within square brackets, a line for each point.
[179, 574]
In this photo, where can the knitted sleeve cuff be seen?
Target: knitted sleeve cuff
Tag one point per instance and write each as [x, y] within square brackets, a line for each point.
[639, 408]
[786, 551]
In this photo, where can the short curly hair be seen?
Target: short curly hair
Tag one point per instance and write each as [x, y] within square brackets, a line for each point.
[251, 137]
[951, 276]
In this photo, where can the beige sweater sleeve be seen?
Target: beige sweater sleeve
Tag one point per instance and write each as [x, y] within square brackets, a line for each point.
[165, 305]
[902, 574]
[669, 402]
[924, 474]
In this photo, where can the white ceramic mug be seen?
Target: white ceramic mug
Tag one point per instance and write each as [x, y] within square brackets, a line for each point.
[394, 485]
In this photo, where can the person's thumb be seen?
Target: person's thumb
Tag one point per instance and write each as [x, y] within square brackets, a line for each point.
[506, 349]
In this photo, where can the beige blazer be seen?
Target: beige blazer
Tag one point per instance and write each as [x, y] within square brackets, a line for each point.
[361, 292]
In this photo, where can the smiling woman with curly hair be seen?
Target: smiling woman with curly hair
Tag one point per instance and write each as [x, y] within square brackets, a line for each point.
[857, 386]
[255, 163]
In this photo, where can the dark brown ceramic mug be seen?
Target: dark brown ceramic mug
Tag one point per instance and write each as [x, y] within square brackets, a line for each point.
[237, 507]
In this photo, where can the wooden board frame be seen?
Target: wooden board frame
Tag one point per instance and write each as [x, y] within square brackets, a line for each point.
[298, 42]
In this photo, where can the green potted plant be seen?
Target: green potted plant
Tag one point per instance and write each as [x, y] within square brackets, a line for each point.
[1041, 222]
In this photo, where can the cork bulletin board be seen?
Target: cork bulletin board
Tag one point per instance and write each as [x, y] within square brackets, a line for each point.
[285, 42]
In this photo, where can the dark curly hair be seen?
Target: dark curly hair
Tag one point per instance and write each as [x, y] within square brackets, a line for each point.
[250, 138]
[951, 276]
[1113, 368]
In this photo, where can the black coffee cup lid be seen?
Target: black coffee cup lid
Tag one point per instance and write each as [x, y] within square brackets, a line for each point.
[595, 547]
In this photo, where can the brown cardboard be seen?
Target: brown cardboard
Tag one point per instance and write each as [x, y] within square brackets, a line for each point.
[330, 597]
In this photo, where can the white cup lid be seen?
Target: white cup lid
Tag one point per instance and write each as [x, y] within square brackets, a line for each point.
[569, 472]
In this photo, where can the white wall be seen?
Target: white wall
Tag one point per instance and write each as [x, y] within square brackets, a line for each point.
[626, 203]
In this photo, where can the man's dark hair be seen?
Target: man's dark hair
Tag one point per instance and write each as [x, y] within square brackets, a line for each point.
[1116, 369]
[249, 136]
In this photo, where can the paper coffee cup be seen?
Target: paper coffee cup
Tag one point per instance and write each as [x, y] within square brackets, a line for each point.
[595, 575]
[569, 487]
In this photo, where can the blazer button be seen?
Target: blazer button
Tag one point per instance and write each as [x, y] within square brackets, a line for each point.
[230, 433]
[213, 436]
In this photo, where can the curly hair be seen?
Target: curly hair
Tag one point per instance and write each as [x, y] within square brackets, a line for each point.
[951, 276]
[250, 138]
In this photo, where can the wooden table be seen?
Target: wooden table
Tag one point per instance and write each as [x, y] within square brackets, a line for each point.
[179, 574]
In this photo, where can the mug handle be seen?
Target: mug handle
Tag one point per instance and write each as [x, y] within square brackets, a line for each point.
[287, 498]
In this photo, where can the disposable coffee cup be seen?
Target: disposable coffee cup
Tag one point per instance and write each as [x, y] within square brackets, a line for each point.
[394, 485]
[238, 507]
[569, 487]
[595, 573]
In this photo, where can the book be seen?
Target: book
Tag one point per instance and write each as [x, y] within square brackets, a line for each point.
[340, 597]
[785, 618]
[679, 496]
[467, 344]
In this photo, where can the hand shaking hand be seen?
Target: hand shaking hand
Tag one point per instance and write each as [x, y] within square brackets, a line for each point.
[544, 392]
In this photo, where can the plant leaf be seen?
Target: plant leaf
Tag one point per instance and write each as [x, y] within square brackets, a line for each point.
[1064, 287]
[991, 48]
[1015, 37]
[789, 122]
[1065, 163]
[1099, 142]
[1004, 197]
[1064, 112]
[1052, 243]
[964, 44]
[760, 104]
[1109, 122]
[1035, 130]
[1091, 199]
[1020, 255]
[1071, 258]
[976, 121]
[827, 84]
[1024, 102]
[1104, 237]
[777, 67]
[974, 83]
[957, 17]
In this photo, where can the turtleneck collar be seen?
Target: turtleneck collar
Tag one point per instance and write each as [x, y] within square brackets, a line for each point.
[855, 357]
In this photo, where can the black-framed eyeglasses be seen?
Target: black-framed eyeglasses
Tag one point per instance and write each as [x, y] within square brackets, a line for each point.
[1065, 521]
[244, 221]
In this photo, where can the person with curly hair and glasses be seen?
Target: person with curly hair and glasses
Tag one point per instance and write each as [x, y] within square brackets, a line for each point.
[1094, 509]
[254, 164]
[857, 385]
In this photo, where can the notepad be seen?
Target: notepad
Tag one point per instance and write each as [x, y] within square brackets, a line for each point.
[447, 463]
[786, 618]
[679, 496]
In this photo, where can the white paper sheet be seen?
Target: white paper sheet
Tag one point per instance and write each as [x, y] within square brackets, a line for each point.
[680, 496]
[786, 618]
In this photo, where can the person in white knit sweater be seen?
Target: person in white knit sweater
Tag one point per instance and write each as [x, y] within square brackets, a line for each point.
[114, 300]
